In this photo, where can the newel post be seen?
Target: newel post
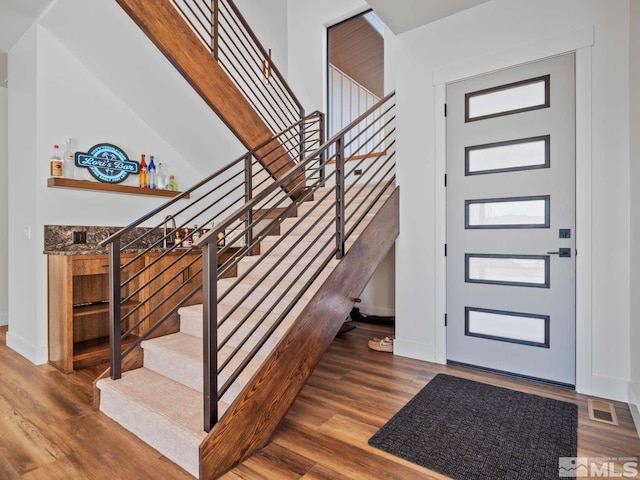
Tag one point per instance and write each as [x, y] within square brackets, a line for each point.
[248, 195]
[210, 330]
[340, 220]
[115, 313]
[215, 44]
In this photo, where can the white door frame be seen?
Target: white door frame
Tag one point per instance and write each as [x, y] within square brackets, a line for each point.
[579, 41]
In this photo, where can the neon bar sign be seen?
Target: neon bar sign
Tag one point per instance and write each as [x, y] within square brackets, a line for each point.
[107, 163]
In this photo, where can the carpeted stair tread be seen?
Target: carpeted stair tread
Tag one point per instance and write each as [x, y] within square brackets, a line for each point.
[319, 229]
[191, 323]
[262, 264]
[273, 301]
[359, 203]
[165, 414]
[179, 357]
[183, 407]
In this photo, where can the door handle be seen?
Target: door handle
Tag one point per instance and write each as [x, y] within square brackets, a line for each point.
[562, 252]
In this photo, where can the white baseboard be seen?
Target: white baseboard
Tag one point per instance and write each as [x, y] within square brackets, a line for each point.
[609, 388]
[37, 355]
[418, 351]
[634, 404]
[378, 311]
[4, 319]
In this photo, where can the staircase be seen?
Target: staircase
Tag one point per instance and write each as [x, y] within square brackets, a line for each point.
[211, 343]
[162, 401]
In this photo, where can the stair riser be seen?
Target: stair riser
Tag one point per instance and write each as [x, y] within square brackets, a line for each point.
[192, 325]
[271, 303]
[283, 274]
[321, 211]
[326, 228]
[287, 248]
[153, 429]
[189, 373]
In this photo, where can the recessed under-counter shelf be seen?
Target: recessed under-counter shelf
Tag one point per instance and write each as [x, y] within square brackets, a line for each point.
[99, 307]
[95, 350]
[61, 182]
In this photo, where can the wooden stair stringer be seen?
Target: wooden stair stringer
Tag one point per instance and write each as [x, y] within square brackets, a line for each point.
[251, 420]
[171, 34]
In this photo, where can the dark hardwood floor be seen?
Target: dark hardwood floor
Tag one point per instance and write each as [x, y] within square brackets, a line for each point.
[49, 431]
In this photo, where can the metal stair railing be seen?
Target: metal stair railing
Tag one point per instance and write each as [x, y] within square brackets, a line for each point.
[345, 189]
[161, 275]
[223, 30]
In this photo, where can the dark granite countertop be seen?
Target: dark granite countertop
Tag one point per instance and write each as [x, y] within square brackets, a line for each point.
[96, 250]
[58, 240]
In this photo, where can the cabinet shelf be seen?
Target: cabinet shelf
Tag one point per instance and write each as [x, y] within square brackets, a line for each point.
[60, 182]
[97, 349]
[99, 307]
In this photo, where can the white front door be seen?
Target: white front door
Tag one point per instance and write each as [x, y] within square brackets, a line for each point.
[511, 221]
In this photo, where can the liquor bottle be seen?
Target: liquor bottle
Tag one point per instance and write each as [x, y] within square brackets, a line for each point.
[143, 176]
[186, 241]
[171, 182]
[153, 183]
[196, 234]
[56, 162]
[161, 179]
[68, 167]
[220, 239]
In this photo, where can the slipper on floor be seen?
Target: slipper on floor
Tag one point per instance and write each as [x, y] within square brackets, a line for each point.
[381, 345]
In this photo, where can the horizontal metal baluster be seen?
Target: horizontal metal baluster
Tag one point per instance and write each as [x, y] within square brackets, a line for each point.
[275, 245]
[366, 130]
[262, 50]
[264, 255]
[161, 321]
[190, 23]
[272, 95]
[373, 160]
[276, 302]
[368, 208]
[234, 376]
[157, 290]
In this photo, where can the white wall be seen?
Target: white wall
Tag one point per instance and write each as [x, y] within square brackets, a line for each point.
[472, 35]
[378, 297]
[634, 135]
[3, 204]
[268, 20]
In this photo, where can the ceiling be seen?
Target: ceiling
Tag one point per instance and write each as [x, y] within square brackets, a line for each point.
[356, 48]
[16, 16]
[404, 15]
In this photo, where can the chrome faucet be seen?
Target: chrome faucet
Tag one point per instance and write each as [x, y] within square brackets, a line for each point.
[170, 241]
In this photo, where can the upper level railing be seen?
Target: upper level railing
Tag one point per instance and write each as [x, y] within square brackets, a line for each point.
[241, 314]
[145, 294]
[223, 30]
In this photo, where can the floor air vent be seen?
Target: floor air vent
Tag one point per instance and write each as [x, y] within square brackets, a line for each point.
[603, 412]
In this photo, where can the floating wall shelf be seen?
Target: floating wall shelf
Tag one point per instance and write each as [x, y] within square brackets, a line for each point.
[59, 182]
